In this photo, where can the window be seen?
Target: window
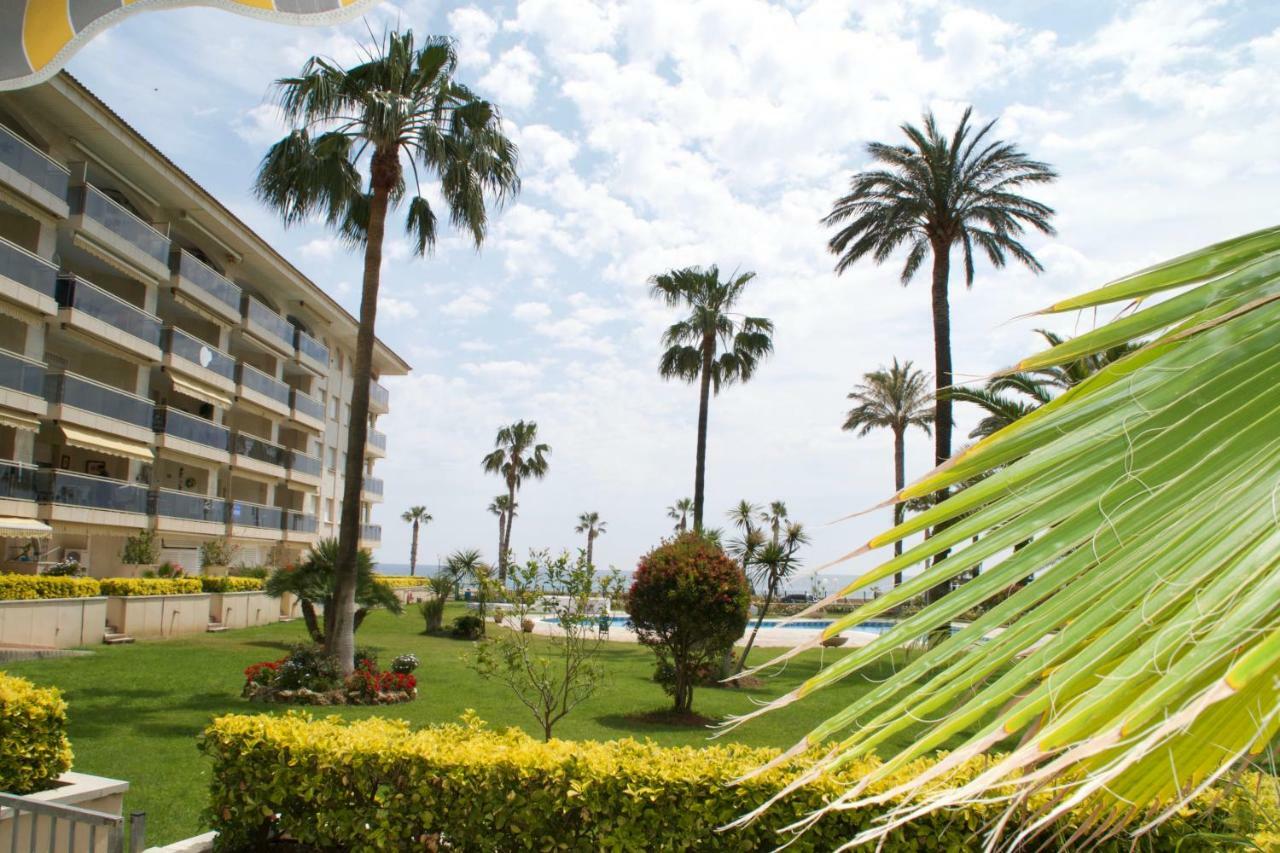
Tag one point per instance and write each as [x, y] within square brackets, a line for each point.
[333, 458]
[333, 408]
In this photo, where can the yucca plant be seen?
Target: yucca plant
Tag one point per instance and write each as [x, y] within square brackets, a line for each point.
[1142, 661]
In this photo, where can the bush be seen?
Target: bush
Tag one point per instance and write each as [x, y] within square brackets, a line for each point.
[150, 586]
[166, 570]
[405, 663]
[218, 552]
[468, 627]
[313, 582]
[689, 602]
[33, 735]
[231, 584]
[68, 568]
[141, 549]
[376, 785]
[401, 581]
[309, 676]
[259, 572]
[31, 587]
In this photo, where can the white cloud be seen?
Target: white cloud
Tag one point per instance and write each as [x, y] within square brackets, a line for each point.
[513, 79]
[531, 311]
[475, 345]
[261, 125]
[394, 310]
[321, 248]
[469, 305]
[505, 370]
[473, 29]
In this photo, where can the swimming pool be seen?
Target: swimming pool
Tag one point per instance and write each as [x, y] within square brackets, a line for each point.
[870, 627]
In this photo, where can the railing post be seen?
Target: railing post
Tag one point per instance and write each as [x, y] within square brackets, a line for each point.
[137, 831]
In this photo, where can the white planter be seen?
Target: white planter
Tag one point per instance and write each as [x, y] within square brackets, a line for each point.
[53, 623]
[159, 615]
[243, 609]
[95, 793]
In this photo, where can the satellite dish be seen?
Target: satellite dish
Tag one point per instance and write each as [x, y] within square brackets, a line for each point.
[206, 356]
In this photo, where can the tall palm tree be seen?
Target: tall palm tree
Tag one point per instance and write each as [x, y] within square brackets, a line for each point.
[517, 455]
[501, 506]
[401, 105]
[895, 398]
[680, 512]
[776, 516]
[769, 564]
[415, 515]
[709, 345]
[590, 524]
[929, 196]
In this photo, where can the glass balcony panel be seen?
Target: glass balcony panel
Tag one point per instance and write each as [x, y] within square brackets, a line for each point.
[17, 481]
[18, 373]
[377, 439]
[302, 463]
[309, 346]
[86, 490]
[371, 532]
[309, 406]
[379, 397]
[196, 351]
[251, 377]
[32, 164]
[189, 427]
[259, 449]
[275, 325]
[299, 522]
[95, 205]
[79, 294]
[372, 485]
[207, 279]
[17, 264]
[256, 515]
[188, 505]
[68, 389]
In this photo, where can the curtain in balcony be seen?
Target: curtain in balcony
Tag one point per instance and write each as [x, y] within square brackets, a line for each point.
[113, 445]
[19, 420]
[38, 37]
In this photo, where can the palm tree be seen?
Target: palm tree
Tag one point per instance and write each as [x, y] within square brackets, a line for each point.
[466, 564]
[931, 195]
[708, 346]
[517, 455]
[400, 105]
[769, 564]
[776, 516]
[680, 512]
[896, 398]
[415, 515]
[590, 524]
[501, 506]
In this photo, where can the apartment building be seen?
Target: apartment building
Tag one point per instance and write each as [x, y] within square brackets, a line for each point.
[162, 367]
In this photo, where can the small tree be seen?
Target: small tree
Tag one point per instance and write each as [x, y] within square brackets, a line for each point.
[140, 550]
[442, 585]
[314, 582]
[466, 565]
[549, 678]
[689, 602]
[770, 564]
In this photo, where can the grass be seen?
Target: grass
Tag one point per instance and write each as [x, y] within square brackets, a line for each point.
[135, 711]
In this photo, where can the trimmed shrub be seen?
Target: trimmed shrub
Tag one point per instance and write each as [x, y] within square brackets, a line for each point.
[401, 581]
[468, 627]
[232, 584]
[150, 586]
[30, 587]
[141, 549]
[33, 735]
[376, 785]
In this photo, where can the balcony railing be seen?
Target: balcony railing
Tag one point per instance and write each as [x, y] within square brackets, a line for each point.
[33, 271]
[253, 378]
[310, 347]
[19, 373]
[86, 490]
[83, 296]
[95, 205]
[206, 278]
[379, 397]
[275, 325]
[371, 533]
[372, 485]
[187, 505]
[32, 164]
[17, 481]
[304, 464]
[189, 427]
[69, 389]
[377, 439]
[309, 406]
[300, 522]
[256, 515]
[260, 449]
[188, 348]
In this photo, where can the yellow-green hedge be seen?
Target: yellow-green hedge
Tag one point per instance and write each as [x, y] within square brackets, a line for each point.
[29, 587]
[376, 785]
[33, 735]
[232, 584]
[150, 586]
[399, 581]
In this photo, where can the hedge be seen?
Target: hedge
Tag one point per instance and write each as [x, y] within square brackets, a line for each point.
[33, 735]
[150, 586]
[399, 581]
[29, 587]
[231, 584]
[377, 785]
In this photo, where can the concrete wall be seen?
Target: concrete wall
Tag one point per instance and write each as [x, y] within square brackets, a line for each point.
[159, 615]
[95, 793]
[243, 609]
[59, 623]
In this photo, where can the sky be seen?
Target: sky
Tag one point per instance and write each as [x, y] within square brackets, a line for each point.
[656, 135]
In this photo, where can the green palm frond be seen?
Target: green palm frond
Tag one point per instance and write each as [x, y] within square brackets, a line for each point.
[1143, 658]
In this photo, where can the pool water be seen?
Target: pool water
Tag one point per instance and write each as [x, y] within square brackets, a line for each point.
[871, 627]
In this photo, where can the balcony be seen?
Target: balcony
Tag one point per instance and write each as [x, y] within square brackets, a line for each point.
[21, 385]
[306, 410]
[250, 453]
[266, 326]
[255, 520]
[300, 527]
[17, 481]
[375, 444]
[379, 398]
[106, 317]
[200, 284]
[196, 360]
[27, 280]
[86, 499]
[303, 469]
[181, 432]
[32, 174]
[371, 490]
[188, 512]
[110, 411]
[266, 392]
[120, 232]
[370, 534]
[310, 352]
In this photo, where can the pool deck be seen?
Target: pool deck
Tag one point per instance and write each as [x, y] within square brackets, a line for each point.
[772, 638]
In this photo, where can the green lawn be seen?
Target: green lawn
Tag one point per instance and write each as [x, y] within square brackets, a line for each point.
[135, 710]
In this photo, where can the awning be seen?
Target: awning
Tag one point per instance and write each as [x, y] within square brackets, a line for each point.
[199, 391]
[110, 444]
[23, 528]
[19, 420]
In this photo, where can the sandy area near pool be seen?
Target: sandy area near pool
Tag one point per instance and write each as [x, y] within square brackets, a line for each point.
[773, 638]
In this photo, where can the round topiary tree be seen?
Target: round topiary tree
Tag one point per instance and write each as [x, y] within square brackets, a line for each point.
[689, 602]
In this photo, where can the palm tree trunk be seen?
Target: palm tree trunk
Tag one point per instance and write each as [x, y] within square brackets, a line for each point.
[751, 641]
[502, 534]
[506, 538]
[700, 463]
[942, 402]
[341, 642]
[899, 483]
[413, 550]
[591, 538]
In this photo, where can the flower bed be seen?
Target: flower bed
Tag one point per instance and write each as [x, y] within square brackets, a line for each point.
[150, 586]
[230, 583]
[32, 587]
[400, 581]
[307, 676]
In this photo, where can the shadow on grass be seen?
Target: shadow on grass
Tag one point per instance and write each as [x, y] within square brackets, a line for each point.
[656, 722]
